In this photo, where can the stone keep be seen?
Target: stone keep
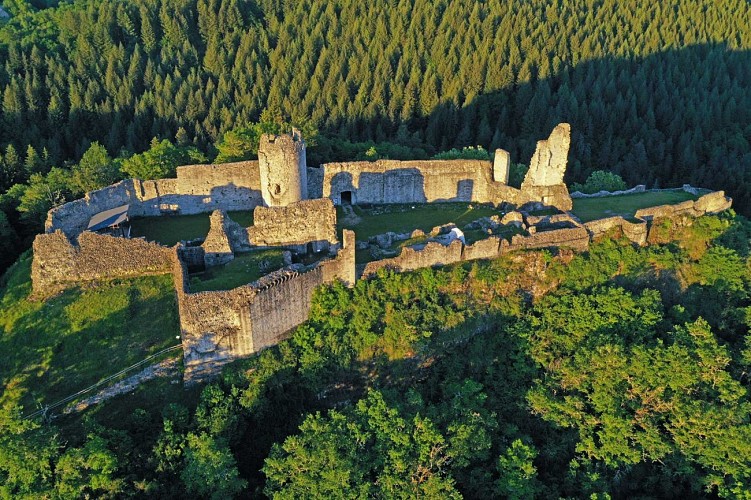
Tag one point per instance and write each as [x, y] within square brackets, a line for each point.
[283, 169]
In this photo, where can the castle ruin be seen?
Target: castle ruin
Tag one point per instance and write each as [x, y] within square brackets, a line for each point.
[294, 209]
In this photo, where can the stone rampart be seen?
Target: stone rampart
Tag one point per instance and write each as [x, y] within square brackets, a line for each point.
[59, 264]
[710, 203]
[713, 203]
[301, 223]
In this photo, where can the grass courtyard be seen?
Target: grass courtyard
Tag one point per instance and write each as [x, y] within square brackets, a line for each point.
[406, 218]
[588, 209]
[51, 349]
[245, 268]
[169, 229]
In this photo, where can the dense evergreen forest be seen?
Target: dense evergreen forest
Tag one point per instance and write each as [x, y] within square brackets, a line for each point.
[618, 373]
[622, 372]
[659, 94]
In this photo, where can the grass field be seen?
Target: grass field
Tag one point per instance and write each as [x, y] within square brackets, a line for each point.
[588, 209]
[244, 269]
[170, 229]
[51, 349]
[403, 218]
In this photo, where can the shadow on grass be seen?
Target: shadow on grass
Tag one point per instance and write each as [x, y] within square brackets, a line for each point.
[51, 349]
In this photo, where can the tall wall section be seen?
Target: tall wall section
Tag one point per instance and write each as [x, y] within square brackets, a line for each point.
[392, 181]
[220, 326]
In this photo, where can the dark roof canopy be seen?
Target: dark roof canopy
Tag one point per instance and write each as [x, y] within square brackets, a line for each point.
[108, 218]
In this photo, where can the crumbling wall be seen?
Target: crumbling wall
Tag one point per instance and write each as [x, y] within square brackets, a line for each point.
[154, 197]
[710, 203]
[197, 189]
[391, 181]
[488, 248]
[544, 180]
[433, 254]
[59, 264]
[73, 217]
[278, 309]
[226, 186]
[576, 238]
[308, 221]
[635, 231]
[217, 247]
[713, 203]
[343, 266]
[212, 331]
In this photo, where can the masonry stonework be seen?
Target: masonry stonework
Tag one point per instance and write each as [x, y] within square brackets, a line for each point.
[283, 169]
[220, 326]
[59, 264]
[300, 223]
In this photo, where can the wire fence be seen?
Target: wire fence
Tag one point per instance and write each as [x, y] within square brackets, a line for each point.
[72, 397]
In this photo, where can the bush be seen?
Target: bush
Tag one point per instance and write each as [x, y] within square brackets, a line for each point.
[600, 180]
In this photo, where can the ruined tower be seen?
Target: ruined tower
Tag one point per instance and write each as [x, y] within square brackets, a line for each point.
[281, 160]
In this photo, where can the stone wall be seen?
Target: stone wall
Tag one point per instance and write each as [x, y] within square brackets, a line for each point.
[488, 248]
[576, 238]
[220, 326]
[197, 189]
[59, 264]
[433, 254]
[710, 203]
[308, 221]
[634, 231]
[73, 217]
[544, 180]
[217, 246]
[392, 181]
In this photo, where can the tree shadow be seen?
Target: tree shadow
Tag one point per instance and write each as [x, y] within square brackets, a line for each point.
[673, 117]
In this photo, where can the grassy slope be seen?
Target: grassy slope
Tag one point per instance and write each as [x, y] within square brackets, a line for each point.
[170, 229]
[588, 209]
[51, 349]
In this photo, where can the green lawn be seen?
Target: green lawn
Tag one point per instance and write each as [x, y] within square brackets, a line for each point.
[403, 218]
[588, 209]
[51, 349]
[244, 269]
[170, 229]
